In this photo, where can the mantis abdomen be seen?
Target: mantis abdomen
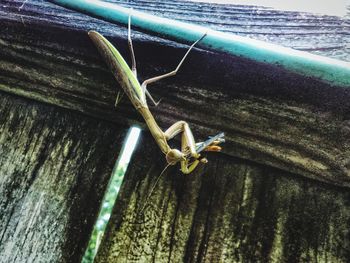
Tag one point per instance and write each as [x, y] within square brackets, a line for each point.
[130, 85]
[120, 70]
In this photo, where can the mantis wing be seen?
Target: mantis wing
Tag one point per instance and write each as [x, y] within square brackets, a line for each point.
[120, 69]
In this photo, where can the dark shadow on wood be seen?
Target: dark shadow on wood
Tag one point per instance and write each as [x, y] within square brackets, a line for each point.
[54, 167]
[229, 210]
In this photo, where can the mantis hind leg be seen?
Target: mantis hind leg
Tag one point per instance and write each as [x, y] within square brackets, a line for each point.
[131, 48]
[133, 60]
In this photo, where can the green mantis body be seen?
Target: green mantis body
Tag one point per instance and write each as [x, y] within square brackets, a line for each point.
[137, 92]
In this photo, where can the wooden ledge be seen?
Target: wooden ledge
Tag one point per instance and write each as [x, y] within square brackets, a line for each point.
[282, 121]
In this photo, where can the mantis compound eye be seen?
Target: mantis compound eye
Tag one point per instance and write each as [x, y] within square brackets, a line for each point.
[204, 160]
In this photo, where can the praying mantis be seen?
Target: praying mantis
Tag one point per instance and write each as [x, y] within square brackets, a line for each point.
[189, 156]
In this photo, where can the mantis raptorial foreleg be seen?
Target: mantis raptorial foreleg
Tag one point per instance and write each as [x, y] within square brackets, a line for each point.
[188, 144]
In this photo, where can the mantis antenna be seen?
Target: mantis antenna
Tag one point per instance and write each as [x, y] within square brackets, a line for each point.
[152, 189]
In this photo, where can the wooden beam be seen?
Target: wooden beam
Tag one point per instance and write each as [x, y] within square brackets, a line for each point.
[229, 210]
[54, 167]
[281, 122]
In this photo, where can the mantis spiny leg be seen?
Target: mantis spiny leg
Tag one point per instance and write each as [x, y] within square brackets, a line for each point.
[187, 144]
[187, 140]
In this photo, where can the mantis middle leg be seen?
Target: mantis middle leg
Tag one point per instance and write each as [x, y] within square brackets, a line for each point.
[169, 74]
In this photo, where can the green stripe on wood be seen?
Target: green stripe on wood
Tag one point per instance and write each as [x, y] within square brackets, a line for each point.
[332, 71]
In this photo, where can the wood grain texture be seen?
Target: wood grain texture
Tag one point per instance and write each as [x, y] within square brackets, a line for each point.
[270, 117]
[54, 168]
[319, 34]
[229, 210]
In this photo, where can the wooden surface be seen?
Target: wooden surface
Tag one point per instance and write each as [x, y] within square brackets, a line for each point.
[229, 210]
[269, 117]
[54, 168]
[55, 162]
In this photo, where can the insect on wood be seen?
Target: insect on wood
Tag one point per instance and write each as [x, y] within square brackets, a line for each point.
[189, 156]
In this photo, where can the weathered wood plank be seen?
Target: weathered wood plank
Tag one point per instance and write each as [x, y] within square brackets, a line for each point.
[276, 121]
[231, 209]
[54, 168]
[227, 211]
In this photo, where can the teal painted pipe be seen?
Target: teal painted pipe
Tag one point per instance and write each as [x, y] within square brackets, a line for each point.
[331, 71]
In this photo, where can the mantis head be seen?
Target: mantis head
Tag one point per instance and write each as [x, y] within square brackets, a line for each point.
[174, 156]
